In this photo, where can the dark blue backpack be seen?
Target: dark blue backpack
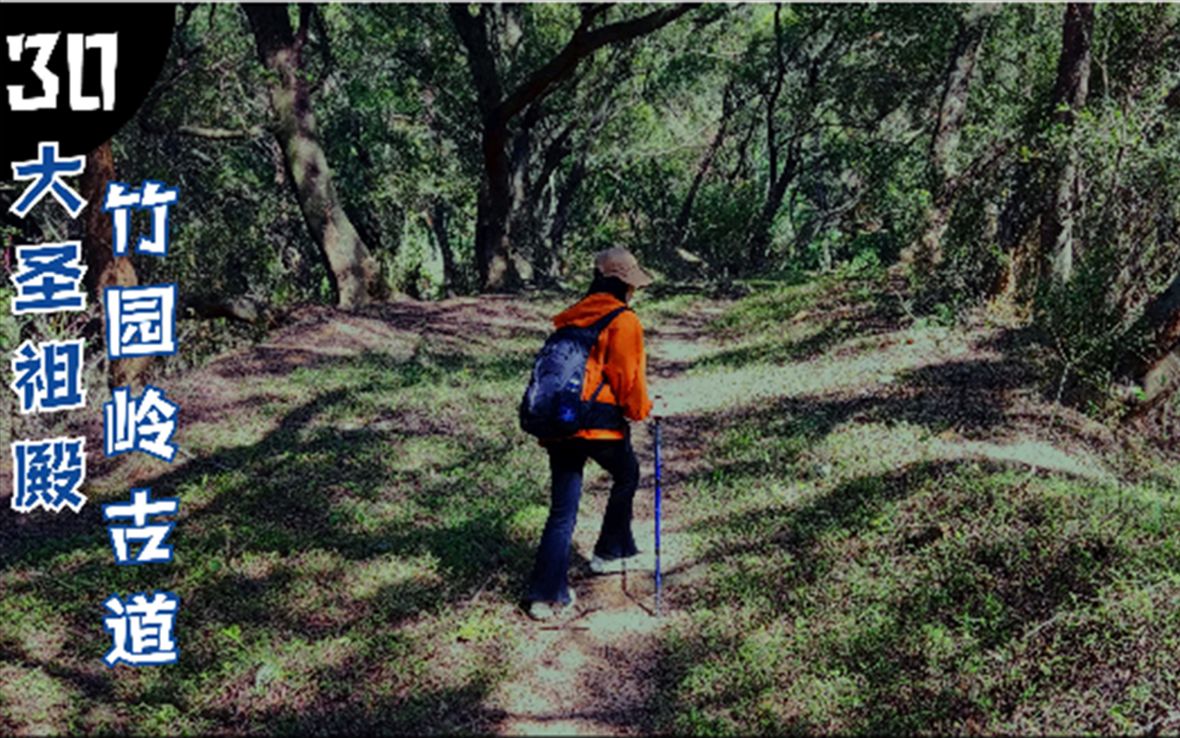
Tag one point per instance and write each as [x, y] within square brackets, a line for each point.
[552, 406]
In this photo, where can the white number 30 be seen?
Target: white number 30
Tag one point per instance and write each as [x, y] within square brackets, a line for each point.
[76, 46]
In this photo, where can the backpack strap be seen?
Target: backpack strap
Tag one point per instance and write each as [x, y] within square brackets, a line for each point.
[594, 397]
[598, 327]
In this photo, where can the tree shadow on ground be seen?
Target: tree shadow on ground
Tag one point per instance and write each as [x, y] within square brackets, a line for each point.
[289, 503]
[796, 529]
[779, 351]
[968, 397]
[819, 570]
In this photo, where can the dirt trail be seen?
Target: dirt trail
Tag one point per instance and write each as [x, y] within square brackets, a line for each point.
[592, 675]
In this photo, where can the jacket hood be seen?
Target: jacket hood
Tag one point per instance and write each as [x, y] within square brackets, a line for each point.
[587, 310]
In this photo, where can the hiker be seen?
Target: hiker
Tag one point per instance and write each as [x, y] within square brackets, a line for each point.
[616, 362]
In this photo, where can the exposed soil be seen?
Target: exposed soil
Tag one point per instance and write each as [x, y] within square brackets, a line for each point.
[592, 674]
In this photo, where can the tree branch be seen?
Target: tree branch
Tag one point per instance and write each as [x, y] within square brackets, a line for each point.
[581, 45]
[473, 33]
[305, 12]
[221, 134]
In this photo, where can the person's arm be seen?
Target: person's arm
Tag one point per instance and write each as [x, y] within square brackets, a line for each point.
[626, 367]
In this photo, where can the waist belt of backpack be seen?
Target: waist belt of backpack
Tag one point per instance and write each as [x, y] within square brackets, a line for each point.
[602, 415]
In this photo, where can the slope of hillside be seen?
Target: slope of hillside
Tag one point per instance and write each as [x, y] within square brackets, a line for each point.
[872, 523]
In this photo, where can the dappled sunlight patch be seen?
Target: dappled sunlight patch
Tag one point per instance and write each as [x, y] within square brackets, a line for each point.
[323, 332]
[97, 717]
[480, 625]
[257, 565]
[949, 593]
[526, 523]
[27, 626]
[876, 447]
[422, 454]
[749, 386]
[203, 439]
[716, 669]
[1033, 454]
[445, 680]
[34, 703]
[326, 590]
[669, 354]
[767, 310]
[366, 579]
[289, 675]
[740, 492]
[619, 624]
[658, 310]
[816, 700]
[198, 492]
[798, 341]
[313, 595]
[855, 448]
[74, 560]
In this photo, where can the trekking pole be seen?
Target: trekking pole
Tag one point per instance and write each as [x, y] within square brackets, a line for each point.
[658, 495]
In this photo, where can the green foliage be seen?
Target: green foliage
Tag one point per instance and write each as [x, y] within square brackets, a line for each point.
[401, 129]
[1086, 333]
[850, 92]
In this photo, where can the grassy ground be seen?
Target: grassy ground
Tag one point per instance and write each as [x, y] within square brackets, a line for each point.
[888, 533]
[853, 574]
[354, 531]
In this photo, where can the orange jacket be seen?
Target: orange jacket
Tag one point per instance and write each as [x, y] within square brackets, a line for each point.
[618, 355]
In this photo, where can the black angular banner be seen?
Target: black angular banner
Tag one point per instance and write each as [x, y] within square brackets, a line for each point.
[76, 73]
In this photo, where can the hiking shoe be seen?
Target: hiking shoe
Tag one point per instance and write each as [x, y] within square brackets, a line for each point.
[635, 562]
[542, 611]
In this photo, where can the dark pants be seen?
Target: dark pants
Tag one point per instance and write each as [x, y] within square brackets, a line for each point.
[566, 461]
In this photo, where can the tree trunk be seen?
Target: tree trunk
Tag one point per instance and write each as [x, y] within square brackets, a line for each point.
[492, 244]
[436, 215]
[1017, 280]
[103, 268]
[351, 267]
[776, 185]
[561, 215]
[523, 234]
[951, 112]
[436, 218]
[1157, 367]
[759, 244]
[1069, 96]
[498, 109]
[680, 227]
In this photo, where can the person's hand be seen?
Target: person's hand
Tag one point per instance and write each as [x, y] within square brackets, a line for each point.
[659, 407]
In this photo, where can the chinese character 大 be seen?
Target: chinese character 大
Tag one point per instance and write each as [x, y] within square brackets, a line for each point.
[46, 173]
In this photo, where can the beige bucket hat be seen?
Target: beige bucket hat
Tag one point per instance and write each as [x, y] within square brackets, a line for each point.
[621, 263]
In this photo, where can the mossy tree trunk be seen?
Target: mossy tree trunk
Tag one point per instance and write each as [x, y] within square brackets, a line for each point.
[352, 269]
[103, 268]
